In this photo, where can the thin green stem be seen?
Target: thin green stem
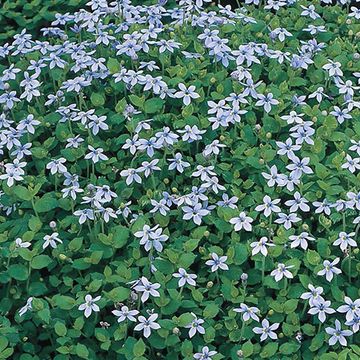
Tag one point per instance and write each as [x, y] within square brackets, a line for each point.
[180, 292]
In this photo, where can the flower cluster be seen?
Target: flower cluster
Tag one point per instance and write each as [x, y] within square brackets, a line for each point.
[167, 169]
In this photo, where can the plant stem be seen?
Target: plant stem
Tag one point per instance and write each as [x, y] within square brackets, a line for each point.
[180, 292]
[242, 330]
[263, 269]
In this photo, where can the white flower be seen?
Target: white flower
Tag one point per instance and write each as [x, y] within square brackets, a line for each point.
[205, 354]
[125, 313]
[351, 308]
[22, 244]
[84, 215]
[217, 262]
[268, 206]
[321, 307]
[56, 166]
[345, 240]
[186, 93]
[248, 312]
[266, 330]
[260, 246]
[185, 277]
[352, 164]
[89, 306]
[147, 324]
[95, 155]
[27, 307]
[242, 222]
[195, 326]
[287, 220]
[330, 269]
[282, 271]
[51, 240]
[338, 335]
[313, 295]
[147, 288]
[301, 240]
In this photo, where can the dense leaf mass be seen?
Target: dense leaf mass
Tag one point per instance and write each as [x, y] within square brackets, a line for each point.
[182, 183]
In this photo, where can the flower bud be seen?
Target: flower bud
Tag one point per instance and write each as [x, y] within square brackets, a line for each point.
[212, 80]
[52, 224]
[104, 324]
[6, 86]
[271, 312]
[239, 354]
[206, 233]
[12, 291]
[134, 296]
[350, 33]
[210, 284]
[25, 338]
[324, 113]
[305, 227]
[356, 56]
[348, 21]
[21, 212]
[281, 335]
[222, 137]
[257, 127]
[261, 161]
[62, 257]
[356, 251]
[176, 331]
[244, 277]
[174, 190]
[166, 181]
[268, 135]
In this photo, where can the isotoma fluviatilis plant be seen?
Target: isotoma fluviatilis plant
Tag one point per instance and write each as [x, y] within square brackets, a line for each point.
[182, 183]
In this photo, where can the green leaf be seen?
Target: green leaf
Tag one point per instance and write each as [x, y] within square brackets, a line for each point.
[211, 311]
[60, 328]
[97, 99]
[120, 236]
[269, 350]
[45, 204]
[64, 302]
[82, 351]
[35, 224]
[317, 342]
[289, 348]
[247, 349]
[152, 106]
[40, 261]
[18, 272]
[313, 257]
[290, 306]
[139, 348]
[22, 193]
[118, 294]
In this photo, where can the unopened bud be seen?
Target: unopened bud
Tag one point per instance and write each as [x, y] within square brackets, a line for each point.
[305, 227]
[210, 284]
[206, 233]
[176, 331]
[52, 224]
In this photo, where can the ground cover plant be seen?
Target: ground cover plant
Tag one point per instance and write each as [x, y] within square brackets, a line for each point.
[182, 183]
[32, 15]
